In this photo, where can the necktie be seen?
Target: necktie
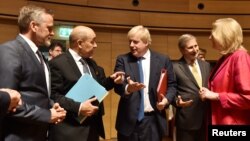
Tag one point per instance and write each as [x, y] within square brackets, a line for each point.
[40, 58]
[85, 67]
[141, 110]
[46, 75]
[196, 74]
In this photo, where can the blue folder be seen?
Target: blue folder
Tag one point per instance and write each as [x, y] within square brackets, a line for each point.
[85, 88]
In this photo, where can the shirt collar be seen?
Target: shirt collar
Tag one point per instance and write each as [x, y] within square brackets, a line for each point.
[191, 64]
[30, 43]
[76, 56]
[146, 55]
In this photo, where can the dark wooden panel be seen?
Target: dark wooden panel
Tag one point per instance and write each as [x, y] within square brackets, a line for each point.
[71, 2]
[11, 7]
[102, 55]
[220, 6]
[160, 20]
[176, 6]
[8, 29]
[92, 15]
[144, 5]
[188, 21]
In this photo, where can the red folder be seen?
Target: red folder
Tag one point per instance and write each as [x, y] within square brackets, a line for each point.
[162, 85]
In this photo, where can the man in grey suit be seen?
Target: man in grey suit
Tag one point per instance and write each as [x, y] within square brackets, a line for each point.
[190, 112]
[140, 117]
[22, 68]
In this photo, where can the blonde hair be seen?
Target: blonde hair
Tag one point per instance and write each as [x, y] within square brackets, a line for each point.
[142, 32]
[228, 33]
[30, 13]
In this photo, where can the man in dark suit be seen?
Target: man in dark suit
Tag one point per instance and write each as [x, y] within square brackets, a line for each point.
[66, 69]
[147, 122]
[23, 70]
[190, 118]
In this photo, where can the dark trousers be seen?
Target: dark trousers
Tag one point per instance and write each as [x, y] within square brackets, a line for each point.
[145, 130]
[190, 135]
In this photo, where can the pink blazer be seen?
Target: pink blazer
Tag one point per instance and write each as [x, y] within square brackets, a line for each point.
[231, 79]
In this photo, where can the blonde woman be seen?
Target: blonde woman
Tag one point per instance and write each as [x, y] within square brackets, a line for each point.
[229, 83]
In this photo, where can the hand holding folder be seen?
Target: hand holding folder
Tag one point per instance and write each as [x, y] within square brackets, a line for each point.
[162, 85]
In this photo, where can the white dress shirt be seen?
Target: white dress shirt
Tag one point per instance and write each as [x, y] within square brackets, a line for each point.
[146, 75]
[77, 58]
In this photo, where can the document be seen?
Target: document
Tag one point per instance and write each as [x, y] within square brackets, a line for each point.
[85, 88]
[162, 85]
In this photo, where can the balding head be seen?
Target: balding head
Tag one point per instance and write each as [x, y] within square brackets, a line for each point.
[80, 33]
[82, 41]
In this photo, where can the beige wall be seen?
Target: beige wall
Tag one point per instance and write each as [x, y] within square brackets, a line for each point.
[111, 19]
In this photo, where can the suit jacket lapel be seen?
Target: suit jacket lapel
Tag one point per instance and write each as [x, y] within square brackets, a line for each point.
[33, 57]
[29, 51]
[153, 71]
[203, 72]
[92, 68]
[72, 63]
[75, 68]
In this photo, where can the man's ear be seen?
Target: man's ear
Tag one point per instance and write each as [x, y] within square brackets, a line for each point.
[79, 43]
[33, 26]
[50, 51]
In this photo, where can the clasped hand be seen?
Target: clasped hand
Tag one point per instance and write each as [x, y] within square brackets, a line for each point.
[207, 94]
[57, 114]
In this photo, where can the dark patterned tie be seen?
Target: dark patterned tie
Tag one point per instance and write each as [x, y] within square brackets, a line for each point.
[141, 110]
[42, 65]
[85, 67]
[40, 58]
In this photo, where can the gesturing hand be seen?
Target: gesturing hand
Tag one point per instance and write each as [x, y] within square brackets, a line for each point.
[181, 103]
[118, 77]
[134, 86]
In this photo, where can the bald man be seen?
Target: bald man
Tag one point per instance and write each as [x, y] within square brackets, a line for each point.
[66, 69]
